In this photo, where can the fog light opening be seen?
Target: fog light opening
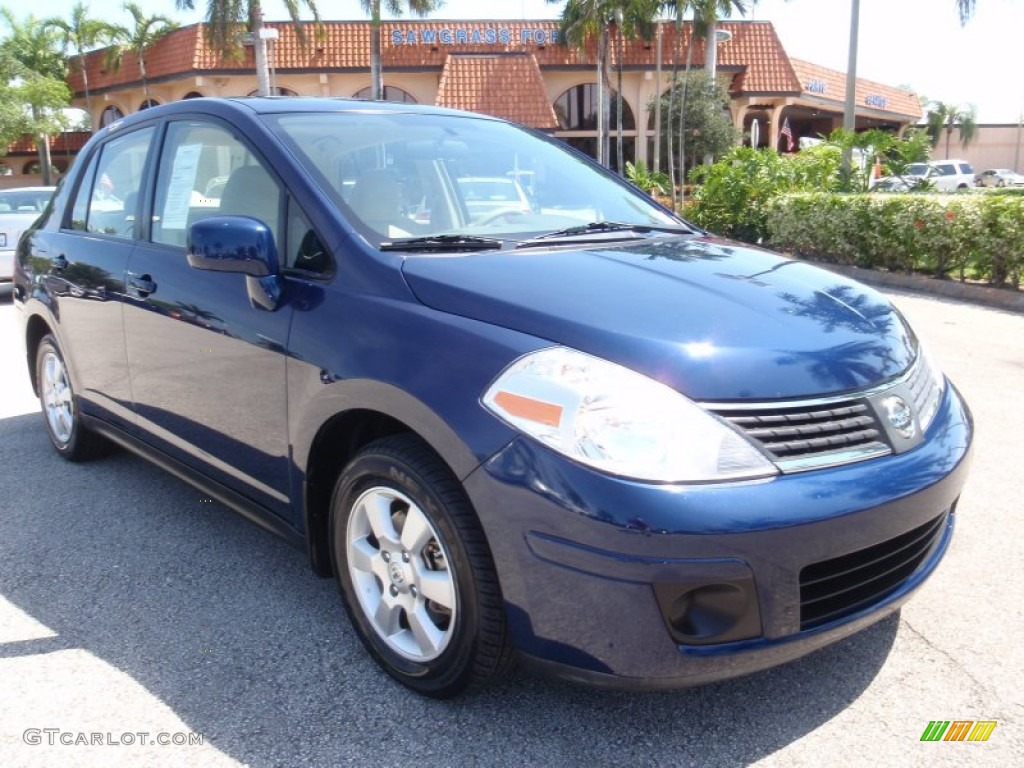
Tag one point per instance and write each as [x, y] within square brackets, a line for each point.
[709, 613]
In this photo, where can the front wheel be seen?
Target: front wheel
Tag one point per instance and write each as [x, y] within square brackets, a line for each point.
[415, 571]
[60, 406]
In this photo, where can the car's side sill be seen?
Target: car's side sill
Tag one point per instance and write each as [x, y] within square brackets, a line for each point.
[244, 506]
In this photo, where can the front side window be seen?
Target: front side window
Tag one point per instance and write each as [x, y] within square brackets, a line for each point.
[108, 197]
[205, 170]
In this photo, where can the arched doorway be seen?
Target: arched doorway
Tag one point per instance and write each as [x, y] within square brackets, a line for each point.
[110, 115]
[576, 110]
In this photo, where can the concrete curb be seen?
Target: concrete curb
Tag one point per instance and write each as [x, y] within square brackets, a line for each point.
[999, 298]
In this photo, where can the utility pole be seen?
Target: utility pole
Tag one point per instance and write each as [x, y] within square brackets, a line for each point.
[849, 112]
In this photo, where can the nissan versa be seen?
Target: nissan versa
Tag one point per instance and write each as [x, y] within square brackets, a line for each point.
[573, 429]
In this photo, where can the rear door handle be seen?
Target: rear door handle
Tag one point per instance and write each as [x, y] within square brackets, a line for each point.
[143, 284]
[59, 263]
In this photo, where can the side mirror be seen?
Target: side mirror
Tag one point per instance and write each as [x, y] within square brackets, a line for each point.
[239, 244]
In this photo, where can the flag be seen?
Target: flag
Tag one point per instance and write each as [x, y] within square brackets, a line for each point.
[788, 133]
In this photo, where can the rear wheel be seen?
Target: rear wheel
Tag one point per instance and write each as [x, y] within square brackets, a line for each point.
[415, 571]
[60, 406]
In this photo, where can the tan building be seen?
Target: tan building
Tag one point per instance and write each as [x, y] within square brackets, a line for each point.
[994, 146]
[518, 70]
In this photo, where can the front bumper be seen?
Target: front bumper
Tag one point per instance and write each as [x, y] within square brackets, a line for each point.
[589, 564]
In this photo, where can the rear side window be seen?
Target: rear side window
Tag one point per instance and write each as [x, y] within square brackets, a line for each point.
[107, 200]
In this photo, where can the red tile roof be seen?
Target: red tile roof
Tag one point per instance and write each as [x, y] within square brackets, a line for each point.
[70, 141]
[754, 54]
[830, 84]
[507, 86]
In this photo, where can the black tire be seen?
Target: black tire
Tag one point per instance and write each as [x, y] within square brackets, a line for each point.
[69, 436]
[403, 471]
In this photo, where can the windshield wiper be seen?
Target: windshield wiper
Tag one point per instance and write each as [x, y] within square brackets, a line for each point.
[596, 227]
[442, 243]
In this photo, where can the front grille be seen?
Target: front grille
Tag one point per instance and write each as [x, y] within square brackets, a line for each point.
[809, 435]
[835, 588]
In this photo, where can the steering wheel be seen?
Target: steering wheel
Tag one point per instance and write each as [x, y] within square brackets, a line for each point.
[501, 213]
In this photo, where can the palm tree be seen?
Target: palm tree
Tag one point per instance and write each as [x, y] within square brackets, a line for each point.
[581, 21]
[395, 8]
[706, 15]
[944, 117]
[35, 48]
[145, 32]
[80, 33]
[226, 18]
[631, 17]
[676, 9]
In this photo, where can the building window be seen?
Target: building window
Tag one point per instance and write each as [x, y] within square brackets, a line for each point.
[576, 110]
[32, 167]
[391, 93]
[110, 115]
[148, 103]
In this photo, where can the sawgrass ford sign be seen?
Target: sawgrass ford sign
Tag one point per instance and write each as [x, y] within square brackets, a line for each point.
[474, 35]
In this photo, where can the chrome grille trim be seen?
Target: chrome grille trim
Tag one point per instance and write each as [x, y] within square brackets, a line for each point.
[811, 433]
[798, 438]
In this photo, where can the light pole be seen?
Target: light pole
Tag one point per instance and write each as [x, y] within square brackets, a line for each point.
[849, 111]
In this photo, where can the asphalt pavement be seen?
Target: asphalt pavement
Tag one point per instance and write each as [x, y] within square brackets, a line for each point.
[133, 612]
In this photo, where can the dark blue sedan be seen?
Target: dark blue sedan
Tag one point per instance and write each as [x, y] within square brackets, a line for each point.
[574, 430]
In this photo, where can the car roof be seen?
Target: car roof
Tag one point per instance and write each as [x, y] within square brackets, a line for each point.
[265, 105]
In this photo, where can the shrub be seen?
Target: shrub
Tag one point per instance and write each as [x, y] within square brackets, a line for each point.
[980, 236]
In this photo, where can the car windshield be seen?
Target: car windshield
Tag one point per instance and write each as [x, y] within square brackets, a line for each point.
[917, 169]
[400, 176]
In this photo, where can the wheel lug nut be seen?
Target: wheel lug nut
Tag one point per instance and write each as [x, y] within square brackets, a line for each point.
[413, 590]
[405, 557]
[394, 591]
[385, 555]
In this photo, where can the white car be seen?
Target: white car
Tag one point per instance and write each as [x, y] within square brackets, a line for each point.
[912, 178]
[951, 175]
[19, 208]
[999, 177]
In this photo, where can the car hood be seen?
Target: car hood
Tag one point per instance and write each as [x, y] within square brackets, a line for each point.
[711, 318]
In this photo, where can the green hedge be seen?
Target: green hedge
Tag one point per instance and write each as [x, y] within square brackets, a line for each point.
[975, 236]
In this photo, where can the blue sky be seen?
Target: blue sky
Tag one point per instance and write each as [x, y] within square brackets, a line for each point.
[918, 43]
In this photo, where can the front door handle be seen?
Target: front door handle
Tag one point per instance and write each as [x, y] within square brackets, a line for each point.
[142, 284]
[59, 263]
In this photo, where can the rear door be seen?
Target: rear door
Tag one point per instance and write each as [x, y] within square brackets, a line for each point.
[88, 256]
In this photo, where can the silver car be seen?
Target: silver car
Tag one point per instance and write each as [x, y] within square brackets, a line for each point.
[19, 209]
[999, 177]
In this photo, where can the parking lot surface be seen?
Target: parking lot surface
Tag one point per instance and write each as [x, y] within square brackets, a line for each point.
[133, 612]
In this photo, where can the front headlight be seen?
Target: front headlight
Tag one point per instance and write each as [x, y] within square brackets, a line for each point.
[619, 421]
[928, 388]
